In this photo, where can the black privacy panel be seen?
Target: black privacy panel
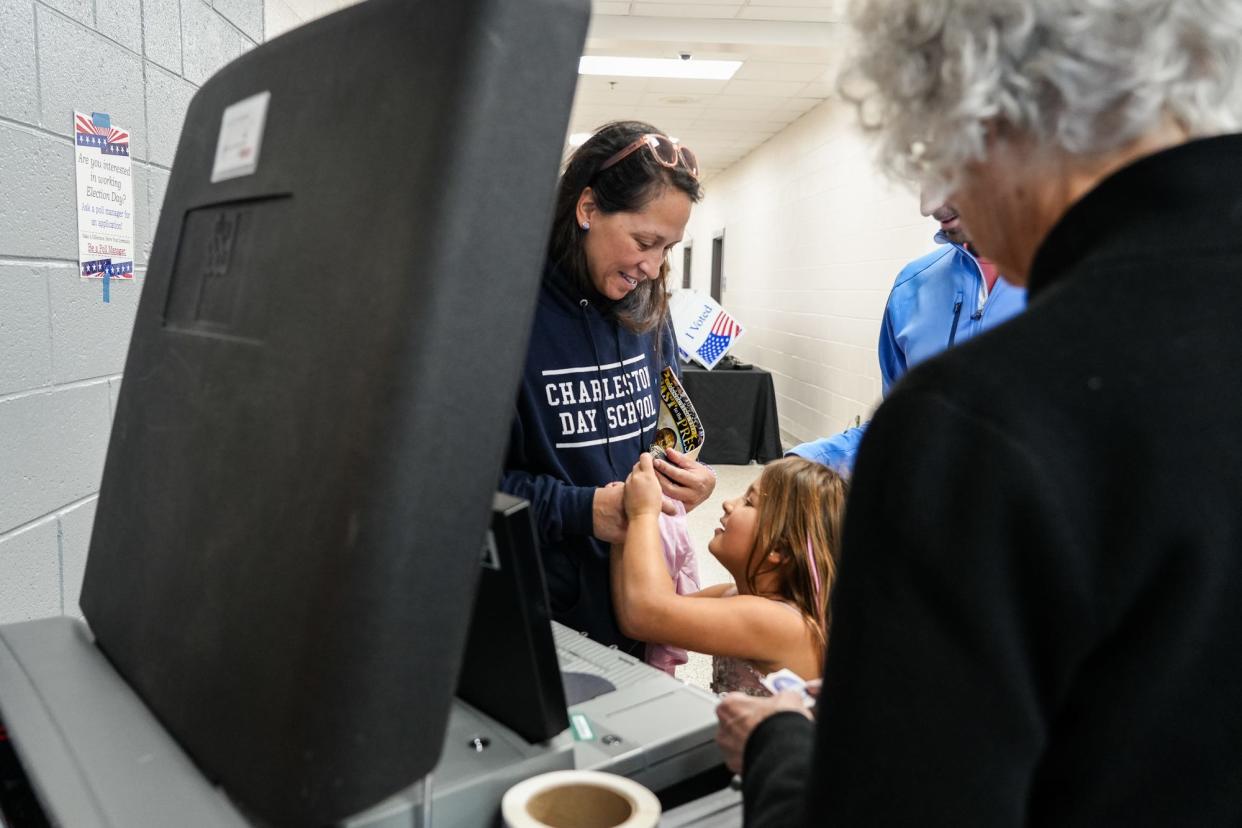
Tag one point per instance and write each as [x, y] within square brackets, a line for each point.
[318, 394]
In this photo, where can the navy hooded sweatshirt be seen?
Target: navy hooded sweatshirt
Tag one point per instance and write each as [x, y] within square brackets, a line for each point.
[586, 409]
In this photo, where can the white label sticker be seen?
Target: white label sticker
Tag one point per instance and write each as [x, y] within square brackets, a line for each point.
[241, 134]
[582, 728]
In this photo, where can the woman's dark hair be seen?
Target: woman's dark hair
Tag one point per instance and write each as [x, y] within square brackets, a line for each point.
[624, 187]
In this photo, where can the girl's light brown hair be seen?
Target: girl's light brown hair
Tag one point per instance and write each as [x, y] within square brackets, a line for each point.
[800, 501]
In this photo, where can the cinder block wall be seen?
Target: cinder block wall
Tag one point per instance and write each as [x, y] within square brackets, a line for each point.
[62, 349]
[813, 239]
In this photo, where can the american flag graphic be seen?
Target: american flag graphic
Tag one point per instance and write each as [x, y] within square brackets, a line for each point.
[724, 330]
[111, 140]
[99, 268]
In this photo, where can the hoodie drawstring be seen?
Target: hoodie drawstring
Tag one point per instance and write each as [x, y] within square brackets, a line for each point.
[584, 304]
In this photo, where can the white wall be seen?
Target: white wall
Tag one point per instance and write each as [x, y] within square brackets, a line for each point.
[62, 349]
[814, 237]
[279, 16]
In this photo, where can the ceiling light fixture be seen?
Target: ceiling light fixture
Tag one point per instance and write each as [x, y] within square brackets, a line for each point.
[633, 67]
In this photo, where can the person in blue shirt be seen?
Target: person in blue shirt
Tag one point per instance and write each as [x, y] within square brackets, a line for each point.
[937, 301]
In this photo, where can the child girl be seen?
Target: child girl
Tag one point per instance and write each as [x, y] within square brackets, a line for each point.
[779, 541]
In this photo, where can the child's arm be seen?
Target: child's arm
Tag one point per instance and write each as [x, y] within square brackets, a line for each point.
[649, 609]
[713, 591]
[643, 571]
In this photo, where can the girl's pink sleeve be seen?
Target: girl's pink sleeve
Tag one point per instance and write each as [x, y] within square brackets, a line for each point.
[683, 567]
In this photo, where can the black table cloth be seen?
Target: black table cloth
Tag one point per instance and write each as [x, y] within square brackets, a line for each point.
[738, 410]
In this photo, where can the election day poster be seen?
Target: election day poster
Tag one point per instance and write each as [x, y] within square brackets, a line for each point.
[105, 198]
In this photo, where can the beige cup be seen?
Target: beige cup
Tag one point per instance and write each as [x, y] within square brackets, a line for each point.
[579, 799]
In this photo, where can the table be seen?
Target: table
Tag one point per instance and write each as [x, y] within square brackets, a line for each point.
[738, 410]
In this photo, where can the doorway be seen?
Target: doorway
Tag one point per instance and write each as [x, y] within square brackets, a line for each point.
[718, 267]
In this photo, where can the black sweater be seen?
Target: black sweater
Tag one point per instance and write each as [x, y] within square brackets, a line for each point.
[1039, 614]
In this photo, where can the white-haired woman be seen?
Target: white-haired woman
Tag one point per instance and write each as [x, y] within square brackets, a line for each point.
[1038, 611]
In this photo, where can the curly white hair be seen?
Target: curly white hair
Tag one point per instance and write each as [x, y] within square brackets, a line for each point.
[1076, 76]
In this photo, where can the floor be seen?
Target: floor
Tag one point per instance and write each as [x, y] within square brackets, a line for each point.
[731, 481]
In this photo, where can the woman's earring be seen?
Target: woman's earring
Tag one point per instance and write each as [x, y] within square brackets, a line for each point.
[586, 225]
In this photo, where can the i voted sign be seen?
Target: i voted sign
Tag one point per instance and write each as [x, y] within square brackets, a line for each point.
[704, 330]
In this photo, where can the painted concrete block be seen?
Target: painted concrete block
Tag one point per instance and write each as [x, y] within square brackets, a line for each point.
[208, 41]
[30, 573]
[168, 97]
[161, 33]
[90, 338]
[52, 448]
[19, 91]
[68, 83]
[141, 207]
[82, 11]
[25, 320]
[246, 15]
[120, 20]
[75, 542]
[42, 222]
[278, 18]
[114, 393]
[157, 185]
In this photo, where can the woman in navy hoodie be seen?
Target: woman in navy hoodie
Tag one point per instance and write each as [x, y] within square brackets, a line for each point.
[588, 401]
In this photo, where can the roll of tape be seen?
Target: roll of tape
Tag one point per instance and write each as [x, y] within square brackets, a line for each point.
[579, 799]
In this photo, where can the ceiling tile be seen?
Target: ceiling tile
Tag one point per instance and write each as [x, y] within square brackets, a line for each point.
[691, 88]
[606, 100]
[791, 13]
[740, 115]
[837, 6]
[775, 89]
[786, 71]
[610, 90]
[772, 71]
[758, 103]
[596, 115]
[822, 88]
[725, 11]
[736, 130]
[795, 104]
[675, 103]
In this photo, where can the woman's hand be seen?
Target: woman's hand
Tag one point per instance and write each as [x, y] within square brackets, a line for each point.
[739, 715]
[684, 479]
[608, 513]
[608, 510]
[642, 490]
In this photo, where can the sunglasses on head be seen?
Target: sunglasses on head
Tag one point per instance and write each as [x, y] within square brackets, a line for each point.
[665, 150]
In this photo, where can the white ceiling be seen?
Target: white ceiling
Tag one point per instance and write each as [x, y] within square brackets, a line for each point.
[789, 50]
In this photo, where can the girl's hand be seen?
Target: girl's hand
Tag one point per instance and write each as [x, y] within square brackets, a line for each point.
[642, 490]
[684, 479]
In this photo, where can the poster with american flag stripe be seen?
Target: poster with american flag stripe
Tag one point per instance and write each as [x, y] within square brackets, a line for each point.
[105, 204]
[705, 331]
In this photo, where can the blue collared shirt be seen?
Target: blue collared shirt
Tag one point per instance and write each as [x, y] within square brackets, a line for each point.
[937, 301]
